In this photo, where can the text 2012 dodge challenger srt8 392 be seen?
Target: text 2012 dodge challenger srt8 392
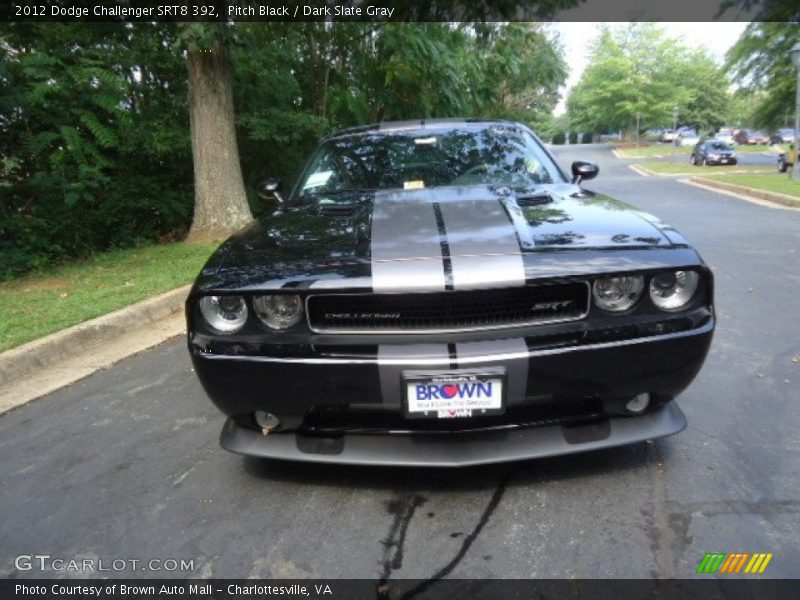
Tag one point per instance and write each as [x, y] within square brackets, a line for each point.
[441, 293]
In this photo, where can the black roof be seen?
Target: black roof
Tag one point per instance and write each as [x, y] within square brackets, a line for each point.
[414, 124]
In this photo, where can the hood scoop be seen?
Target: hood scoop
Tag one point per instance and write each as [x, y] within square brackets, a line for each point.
[338, 210]
[526, 201]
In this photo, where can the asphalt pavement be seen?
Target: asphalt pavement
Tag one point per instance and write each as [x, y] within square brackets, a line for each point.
[125, 464]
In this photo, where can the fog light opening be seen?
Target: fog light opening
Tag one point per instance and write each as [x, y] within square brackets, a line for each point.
[637, 405]
[267, 421]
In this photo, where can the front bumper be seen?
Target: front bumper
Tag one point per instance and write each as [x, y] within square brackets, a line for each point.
[292, 384]
[454, 449]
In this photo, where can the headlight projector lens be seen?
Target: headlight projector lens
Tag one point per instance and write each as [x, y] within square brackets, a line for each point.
[279, 311]
[673, 290]
[224, 313]
[616, 294]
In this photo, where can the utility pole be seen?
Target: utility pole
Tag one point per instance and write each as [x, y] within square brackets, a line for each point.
[795, 53]
[675, 111]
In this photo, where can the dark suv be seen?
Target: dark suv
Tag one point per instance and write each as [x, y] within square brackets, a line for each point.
[713, 152]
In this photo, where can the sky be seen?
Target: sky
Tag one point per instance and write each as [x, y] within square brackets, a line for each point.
[576, 37]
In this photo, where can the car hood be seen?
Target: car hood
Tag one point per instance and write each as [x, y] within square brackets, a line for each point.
[410, 233]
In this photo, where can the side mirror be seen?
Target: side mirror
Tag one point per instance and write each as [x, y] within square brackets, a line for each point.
[582, 170]
[270, 189]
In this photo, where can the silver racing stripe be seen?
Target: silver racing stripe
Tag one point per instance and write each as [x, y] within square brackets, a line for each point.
[483, 242]
[337, 283]
[516, 368]
[406, 250]
[392, 362]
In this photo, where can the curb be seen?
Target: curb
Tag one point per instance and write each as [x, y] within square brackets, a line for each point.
[784, 199]
[19, 363]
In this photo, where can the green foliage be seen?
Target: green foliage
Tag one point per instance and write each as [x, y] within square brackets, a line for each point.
[94, 143]
[586, 138]
[639, 71]
[762, 67]
[573, 137]
[95, 150]
[560, 138]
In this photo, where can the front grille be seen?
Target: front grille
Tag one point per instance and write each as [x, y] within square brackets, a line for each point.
[448, 311]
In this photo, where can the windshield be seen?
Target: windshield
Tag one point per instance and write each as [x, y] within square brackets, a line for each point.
[718, 146]
[428, 158]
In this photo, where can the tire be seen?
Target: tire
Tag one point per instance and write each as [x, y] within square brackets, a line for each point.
[705, 162]
[782, 166]
[693, 160]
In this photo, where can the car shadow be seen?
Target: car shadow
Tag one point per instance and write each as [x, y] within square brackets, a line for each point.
[435, 479]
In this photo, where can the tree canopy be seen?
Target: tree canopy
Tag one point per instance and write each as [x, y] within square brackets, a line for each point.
[761, 66]
[639, 70]
[95, 148]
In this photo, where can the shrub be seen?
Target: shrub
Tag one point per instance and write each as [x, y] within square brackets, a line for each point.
[586, 138]
[573, 137]
[559, 138]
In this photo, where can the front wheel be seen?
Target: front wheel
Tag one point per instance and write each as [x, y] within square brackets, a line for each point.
[782, 167]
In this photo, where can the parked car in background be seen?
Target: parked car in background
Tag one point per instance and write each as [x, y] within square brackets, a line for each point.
[725, 134]
[686, 136]
[750, 137]
[442, 293]
[713, 152]
[653, 134]
[667, 135]
[783, 136]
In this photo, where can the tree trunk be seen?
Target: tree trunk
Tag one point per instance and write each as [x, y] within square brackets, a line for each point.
[220, 202]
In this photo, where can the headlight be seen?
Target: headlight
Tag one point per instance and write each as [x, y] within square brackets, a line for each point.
[279, 311]
[616, 294]
[674, 289]
[224, 313]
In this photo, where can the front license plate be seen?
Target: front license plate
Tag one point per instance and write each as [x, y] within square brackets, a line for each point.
[454, 394]
[724, 161]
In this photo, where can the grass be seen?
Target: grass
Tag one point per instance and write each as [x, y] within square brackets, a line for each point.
[38, 304]
[771, 182]
[682, 167]
[656, 150]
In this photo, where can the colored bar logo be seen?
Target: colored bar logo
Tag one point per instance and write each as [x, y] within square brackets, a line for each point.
[738, 562]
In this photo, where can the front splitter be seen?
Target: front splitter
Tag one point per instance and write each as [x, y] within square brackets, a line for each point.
[454, 449]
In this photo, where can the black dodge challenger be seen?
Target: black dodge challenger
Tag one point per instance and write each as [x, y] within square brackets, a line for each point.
[441, 293]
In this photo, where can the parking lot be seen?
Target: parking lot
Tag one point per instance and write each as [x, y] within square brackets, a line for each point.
[126, 464]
